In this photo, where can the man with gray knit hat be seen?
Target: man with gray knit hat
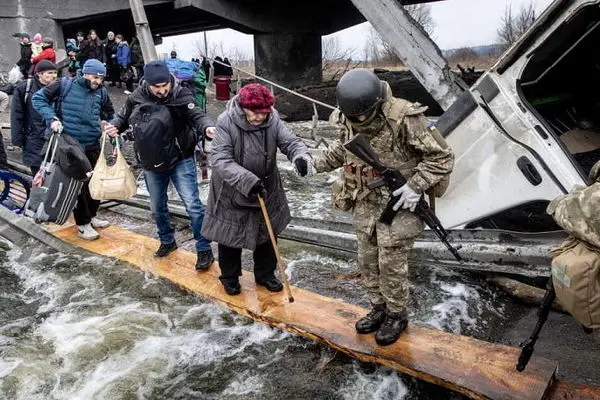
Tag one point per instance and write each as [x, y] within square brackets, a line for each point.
[79, 104]
[166, 126]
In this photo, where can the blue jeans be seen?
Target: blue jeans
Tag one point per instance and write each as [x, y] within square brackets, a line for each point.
[184, 178]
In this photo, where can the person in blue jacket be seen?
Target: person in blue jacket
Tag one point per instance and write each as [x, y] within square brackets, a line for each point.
[124, 61]
[78, 105]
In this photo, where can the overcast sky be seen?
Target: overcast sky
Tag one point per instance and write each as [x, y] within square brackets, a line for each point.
[458, 23]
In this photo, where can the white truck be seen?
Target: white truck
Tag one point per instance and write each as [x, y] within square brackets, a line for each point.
[527, 131]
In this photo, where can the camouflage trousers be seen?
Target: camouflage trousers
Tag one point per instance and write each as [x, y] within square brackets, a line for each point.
[383, 254]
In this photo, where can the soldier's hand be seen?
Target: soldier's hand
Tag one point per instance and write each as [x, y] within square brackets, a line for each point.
[408, 198]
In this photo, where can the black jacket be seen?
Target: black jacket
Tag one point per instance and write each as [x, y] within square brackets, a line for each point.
[190, 120]
[25, 61]
[27, 126]
[91, 49]
[110, 47]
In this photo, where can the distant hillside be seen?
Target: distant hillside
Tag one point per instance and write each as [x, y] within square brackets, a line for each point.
[486, 50]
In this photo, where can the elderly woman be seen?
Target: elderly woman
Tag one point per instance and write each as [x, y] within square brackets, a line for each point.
[244, 166]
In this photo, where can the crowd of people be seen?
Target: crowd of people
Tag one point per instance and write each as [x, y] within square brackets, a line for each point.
[123, 61]
[166, 123]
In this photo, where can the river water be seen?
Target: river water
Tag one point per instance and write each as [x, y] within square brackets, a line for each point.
[86, 327]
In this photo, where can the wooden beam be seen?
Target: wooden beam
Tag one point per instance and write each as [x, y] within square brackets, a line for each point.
[473, 367]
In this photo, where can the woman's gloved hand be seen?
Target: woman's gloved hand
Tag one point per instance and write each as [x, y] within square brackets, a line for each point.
[408, 198]
[303, 165]
[257, 190]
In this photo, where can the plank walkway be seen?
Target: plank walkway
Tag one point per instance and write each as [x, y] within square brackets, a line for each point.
[476, 368]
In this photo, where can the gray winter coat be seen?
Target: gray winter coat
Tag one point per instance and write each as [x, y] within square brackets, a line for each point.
[242, 155]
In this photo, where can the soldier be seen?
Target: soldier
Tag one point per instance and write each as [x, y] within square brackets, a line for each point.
[401, 135]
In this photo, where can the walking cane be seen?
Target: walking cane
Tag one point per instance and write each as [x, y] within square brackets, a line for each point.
[280, 264]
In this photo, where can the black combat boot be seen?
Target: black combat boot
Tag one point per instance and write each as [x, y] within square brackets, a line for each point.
[392, 327]
[372, 321]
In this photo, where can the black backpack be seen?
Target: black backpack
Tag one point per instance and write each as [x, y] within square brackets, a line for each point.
[155, 143]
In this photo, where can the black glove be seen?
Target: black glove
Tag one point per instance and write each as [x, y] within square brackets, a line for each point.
[257, 189]
[301, 166]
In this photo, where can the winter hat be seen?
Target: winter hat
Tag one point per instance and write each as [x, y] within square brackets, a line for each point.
[257, 98]
[156, 72]
[48, 42]
[94, 67]
[37, 38]
[45, 65]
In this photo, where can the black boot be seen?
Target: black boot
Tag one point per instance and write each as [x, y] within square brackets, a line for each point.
[165, 249]
[205, 260]
[272, 285]
[392, 328]
[231, 286]
[372, 321]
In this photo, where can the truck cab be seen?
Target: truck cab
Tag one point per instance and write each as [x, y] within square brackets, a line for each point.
[529, 129]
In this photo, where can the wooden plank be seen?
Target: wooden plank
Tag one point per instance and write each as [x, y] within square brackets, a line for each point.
[562, 390]
[473, 367]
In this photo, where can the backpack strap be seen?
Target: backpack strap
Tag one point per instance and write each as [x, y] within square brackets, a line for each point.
[65, 87]
[28, 89]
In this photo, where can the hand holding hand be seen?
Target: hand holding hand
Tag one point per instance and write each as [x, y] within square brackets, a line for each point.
[303, 165]
[210, 132]
[408, 198]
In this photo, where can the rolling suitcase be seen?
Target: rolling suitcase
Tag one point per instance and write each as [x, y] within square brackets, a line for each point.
[53, 193]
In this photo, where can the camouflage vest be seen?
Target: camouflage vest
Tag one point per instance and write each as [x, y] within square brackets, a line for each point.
[389, 144]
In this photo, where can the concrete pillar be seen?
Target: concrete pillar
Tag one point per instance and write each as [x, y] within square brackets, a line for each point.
[290, 60]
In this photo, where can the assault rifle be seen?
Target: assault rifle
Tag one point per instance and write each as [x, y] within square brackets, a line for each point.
[361, 148]
[544, 310]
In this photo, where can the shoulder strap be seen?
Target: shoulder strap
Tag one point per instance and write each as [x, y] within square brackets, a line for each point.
[103, 96]
[65, 87]
[28, 89]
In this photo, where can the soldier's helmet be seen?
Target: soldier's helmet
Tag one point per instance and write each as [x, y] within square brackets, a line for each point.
[358, 92]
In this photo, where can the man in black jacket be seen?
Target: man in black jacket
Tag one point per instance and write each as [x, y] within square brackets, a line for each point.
[27, 126]
[166, 126]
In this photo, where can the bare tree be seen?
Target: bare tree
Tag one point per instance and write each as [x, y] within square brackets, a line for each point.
[514, 25]
[421, 13]
[333, 52]
[336, 60]
[381, 52]
[199, 46]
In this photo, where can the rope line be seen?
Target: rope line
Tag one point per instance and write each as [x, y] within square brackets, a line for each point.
[314, 101]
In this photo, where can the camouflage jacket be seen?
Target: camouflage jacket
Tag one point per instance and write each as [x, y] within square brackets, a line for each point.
[577, 212]
[405, 142]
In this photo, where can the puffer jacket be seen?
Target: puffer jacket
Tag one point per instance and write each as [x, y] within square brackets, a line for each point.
[81, 109]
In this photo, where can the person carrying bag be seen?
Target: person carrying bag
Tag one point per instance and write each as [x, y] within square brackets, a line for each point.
[114, 182]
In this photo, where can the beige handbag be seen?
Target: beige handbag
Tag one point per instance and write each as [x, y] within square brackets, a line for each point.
[113, 182]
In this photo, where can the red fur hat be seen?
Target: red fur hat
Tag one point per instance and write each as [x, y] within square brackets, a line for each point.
[257, 98]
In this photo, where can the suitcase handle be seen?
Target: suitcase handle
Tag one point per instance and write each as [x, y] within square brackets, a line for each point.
[60, 189]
